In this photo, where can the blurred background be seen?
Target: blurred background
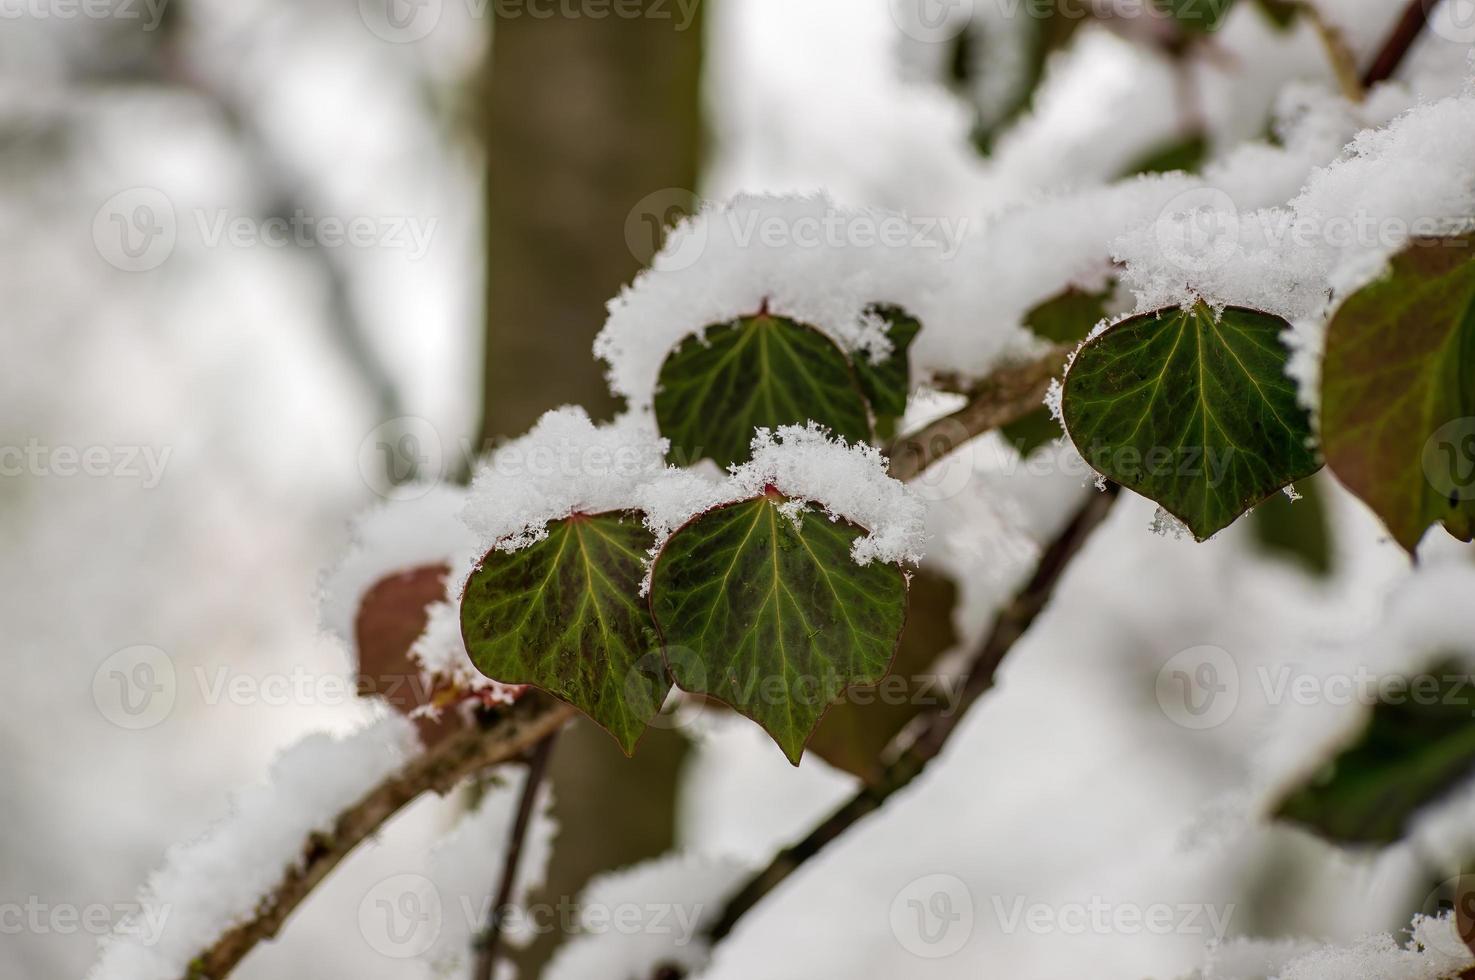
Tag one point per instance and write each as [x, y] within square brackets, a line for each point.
[264, 260]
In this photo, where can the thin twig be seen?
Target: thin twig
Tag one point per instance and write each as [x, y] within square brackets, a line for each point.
[439, 769]
[486, 956]
[1405, 33]
[1004, 397]
[1012, 623]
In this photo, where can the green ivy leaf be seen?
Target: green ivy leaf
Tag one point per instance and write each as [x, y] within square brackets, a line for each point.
[887, 383]
[1412, 752]
[773, 619]
[759, 371]
[1398, 392]
[1191, 410]
[565, 615]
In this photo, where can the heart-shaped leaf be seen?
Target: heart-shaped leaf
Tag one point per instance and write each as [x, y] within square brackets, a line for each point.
[565, 615]
[772, 617]
[1398, 392]
[1416, 748]
[1192, 410]
[887, 383]
[760, 371]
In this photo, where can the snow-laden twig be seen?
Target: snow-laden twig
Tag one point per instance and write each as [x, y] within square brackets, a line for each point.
[506, 736]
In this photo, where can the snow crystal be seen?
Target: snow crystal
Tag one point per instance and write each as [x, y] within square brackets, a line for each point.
[804, 258]
[685, 891]
[677, 495]
[564, 465]
[807, 465]
[849, 482]
[1433, 951]
[394, 537]
[207, 887]
[464, 868]
[1166, 525]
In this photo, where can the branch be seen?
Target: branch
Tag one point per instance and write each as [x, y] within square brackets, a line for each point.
[486, 958]
[1408, 29]
[1006, 396]
[496, 740]
[1012, 623]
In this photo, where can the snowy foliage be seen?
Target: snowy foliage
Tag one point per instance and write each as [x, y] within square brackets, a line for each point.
[806, 464]
[1291, 225]
[811, 260]
[565, 464]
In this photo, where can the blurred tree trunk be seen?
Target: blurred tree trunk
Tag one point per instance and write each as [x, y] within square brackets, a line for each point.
[583, 118]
